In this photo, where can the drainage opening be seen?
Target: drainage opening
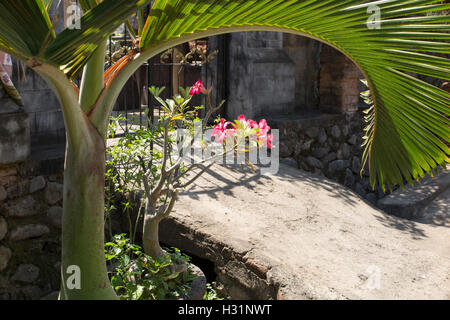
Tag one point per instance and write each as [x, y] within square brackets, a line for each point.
[205, 265]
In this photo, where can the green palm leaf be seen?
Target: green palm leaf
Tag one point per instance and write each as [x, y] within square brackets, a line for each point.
[402, 140]
[25, 27]
[72, 48]
[27, 32]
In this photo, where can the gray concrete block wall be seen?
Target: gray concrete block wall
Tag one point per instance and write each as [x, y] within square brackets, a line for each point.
[14, 132]
[305, 53]
[261, 76]
[42, 106]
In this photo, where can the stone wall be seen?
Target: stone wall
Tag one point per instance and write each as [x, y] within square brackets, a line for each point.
[30, 236]
[328, 145]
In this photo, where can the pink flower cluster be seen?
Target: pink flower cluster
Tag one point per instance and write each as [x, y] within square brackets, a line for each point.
[247, 128]
[197, 88]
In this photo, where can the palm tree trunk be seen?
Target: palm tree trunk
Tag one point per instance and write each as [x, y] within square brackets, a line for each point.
[83, 222]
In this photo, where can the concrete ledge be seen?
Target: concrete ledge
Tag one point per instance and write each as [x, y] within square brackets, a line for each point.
[296, 235]
[303, 120]
[410, 203]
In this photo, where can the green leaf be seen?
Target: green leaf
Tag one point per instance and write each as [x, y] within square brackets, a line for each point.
[25, 27]
[125, 260]
[116, 281]
[72, 48]
[138, 293]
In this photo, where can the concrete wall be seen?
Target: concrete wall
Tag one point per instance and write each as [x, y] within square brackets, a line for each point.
[261, 76]
[14, 131]
[305, 53]
[41, 105]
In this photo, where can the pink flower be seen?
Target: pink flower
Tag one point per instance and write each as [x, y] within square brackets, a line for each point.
[243, 127]
[266, 140]
[221, 131]
[262, 130]
[241, 118]
[246, 124]
[197, 88]
[263, 127]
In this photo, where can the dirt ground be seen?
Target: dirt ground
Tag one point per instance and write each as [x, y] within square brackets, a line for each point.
[318, 239]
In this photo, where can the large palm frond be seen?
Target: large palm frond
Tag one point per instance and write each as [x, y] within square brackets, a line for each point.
[408, 116]
[26, 30]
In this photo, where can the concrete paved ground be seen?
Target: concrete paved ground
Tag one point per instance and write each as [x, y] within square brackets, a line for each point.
[296, 235]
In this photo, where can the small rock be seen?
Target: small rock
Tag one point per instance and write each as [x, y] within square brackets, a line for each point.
[304, 166]
[54, 193]
[3, 228]
[318, 172]
[303, 147]
[337, 166]
[353, 139]
[24, 207]
[290, 162]
[312, 132]
[330, 157]
[371, 197]
[380, 193]
[54, 215]
[26, 273]
[306, 146]
[37, 184]
[28, 231]
[5, 255]
[335, 145]
[336, 132]
[320, 152]
[14, 191]
[344, 152]
[313, 162]
[322, 138]
[365, 183]
[256, 268]
[345, 130]
[349, 179]
[51, 296]
[356, 165]
[3, 194]
[32, 292]
[285, 150]
[298, 149]
[359, 189]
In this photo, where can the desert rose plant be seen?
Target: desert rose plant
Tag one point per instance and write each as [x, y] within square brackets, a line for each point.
[163, 173]
[406, 124]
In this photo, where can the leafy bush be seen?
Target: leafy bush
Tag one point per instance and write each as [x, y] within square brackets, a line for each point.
[212, 294]
[137, 276]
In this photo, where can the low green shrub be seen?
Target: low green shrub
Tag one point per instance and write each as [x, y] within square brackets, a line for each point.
[137, 276]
